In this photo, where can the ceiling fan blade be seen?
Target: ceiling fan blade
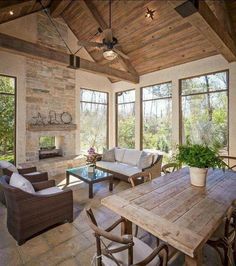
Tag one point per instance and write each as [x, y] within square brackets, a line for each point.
[108, 35]
[120, 53]
[90, 44]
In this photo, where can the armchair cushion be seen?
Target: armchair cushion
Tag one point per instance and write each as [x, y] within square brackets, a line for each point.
[9, 166]
[33, 173]
[48, 191]
[22, 183]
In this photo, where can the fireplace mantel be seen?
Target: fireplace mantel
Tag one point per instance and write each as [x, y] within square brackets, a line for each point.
[60, 127]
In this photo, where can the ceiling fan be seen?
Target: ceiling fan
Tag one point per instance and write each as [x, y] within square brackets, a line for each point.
[109, 43]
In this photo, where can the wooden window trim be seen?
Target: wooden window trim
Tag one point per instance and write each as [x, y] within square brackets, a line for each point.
[180, 101]
[107, 104]
[15, 111]
[141, 106]
[116, 111]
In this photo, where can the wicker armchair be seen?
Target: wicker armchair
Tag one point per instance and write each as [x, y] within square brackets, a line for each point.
[29, 173]
[124, 249]
[28, 214]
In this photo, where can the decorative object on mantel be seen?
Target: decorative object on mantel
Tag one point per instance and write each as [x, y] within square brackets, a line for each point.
[53, 118]
[199, 158]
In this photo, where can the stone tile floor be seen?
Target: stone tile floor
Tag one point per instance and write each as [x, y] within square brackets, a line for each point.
[72, 244]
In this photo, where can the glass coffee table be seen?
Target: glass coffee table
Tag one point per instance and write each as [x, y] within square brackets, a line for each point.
[90, 178]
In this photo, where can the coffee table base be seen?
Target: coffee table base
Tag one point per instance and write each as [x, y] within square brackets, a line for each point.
[90, 183]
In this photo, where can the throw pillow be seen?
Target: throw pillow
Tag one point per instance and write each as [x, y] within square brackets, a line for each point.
[7, 165]
[119, 154]
[108, 155]
[145, 160]
[22, 183]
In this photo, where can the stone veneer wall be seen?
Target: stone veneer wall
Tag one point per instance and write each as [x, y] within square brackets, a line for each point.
[49, 87]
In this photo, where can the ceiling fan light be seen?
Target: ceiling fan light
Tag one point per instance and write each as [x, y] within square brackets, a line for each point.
[109, 55]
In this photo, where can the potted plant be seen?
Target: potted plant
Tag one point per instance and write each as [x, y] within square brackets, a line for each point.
[199, 158]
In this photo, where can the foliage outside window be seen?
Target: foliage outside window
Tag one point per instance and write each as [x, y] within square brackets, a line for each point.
[47, 142]
[205, 110]
[93, 120]
[7, 118]
[125, 111]
[157, 117]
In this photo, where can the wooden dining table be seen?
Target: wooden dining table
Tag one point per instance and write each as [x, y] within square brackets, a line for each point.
[170, 208]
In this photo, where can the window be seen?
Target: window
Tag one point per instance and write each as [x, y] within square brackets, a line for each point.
[7, 118]
[204, 101]
[125, 119]
[93, 120]
[157, 117]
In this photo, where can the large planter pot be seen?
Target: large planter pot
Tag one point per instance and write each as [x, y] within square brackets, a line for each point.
[198, 176]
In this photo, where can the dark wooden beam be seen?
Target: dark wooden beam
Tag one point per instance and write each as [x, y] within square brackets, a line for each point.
[92, 11]
[6, 6]
[22, 47]
[204, 20]
[57, 7]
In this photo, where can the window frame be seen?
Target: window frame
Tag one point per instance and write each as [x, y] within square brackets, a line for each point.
[15, 110]
[141, 106]
[201, 93]
[116, 112]
[107, 105]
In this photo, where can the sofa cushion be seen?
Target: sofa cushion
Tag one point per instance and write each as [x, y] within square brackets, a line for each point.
[109, 155]
[120, 168]
[11, 167]
[145, 160]
[48, 191]
[22, 183]
[131, 156]
[119, 154]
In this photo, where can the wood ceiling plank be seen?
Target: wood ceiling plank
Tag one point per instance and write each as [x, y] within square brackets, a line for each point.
[208, 25]
[38, 51]
[58, 7]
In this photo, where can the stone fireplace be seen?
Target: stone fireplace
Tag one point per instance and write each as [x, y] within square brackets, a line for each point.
[64, 141]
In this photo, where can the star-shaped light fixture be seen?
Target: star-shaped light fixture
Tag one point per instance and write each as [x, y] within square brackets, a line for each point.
[150, 13]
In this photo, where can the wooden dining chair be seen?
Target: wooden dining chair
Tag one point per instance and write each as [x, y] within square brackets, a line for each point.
[224, 239]
[169, 168]
[136, 180]
[227, 165]
[125, 250]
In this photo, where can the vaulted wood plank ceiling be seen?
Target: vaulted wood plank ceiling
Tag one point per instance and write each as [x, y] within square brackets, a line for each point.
[151, 45]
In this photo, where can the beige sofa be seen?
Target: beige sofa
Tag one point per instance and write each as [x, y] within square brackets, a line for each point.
[129, 162]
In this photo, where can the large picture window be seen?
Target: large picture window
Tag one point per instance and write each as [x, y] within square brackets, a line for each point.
[204, 101]
[125, 119]
[157, 117]
[93, 120]
[7, 118]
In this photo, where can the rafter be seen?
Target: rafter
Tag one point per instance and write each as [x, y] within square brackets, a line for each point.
[198, 14]
[38, 51]
[57, 7]
[91, 10]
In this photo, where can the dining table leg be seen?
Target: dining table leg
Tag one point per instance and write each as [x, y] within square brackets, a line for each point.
[196, 261]
[126, 227]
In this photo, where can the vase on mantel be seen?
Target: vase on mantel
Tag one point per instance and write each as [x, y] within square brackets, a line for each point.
[198, 176]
